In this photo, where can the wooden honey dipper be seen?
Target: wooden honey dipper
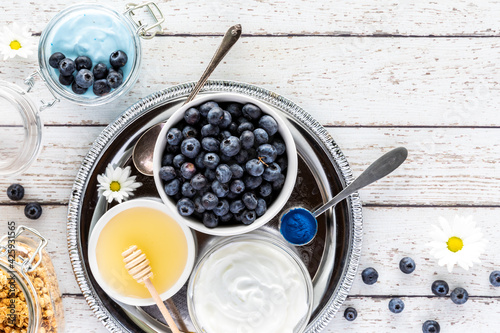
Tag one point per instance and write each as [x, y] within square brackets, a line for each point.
[137, 265]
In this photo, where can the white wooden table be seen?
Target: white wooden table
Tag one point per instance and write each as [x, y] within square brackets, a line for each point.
[377, 74]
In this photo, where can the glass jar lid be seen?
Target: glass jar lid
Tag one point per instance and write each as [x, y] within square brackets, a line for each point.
[20, 130]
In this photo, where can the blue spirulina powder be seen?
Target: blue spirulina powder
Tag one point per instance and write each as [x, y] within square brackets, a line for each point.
[298, 226]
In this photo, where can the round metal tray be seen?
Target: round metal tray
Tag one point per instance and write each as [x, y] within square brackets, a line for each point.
[332, 258]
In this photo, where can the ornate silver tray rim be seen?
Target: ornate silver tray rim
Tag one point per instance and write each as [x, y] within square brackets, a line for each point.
[155, 99]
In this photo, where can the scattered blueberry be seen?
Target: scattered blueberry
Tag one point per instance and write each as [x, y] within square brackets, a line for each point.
[210, 144]
[188, 170]
[222, 208]
[431, 326]
[33, 210]
[101, 87]
[67, 67]
[269, 124]
[185, 206]
[369, 275]
[118, 59]
[84, 78]
[167, 173]
[172, 187]
[100, 71]
[250, 200]
[254, 167]
[459, 295]
[251, 111]
[55, 59]
[440, 288]
[495, 278]
[192, 116]
[209, 201]
[407, 265]
[248, 217]
[77, 89]
[210, 220]
[115, 79]
[15, 192]
[350, 314]
[230, 146]
[261, 136]
[396, 305]
[66, 80]
[211, 160]
[190, 147]
[83, 62]
[223, 173]
[261, 207]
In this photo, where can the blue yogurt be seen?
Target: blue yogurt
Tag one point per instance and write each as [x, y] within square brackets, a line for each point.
[298, 226]
[95, 33]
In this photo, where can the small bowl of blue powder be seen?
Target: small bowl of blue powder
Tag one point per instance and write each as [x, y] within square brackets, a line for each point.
[298, 226]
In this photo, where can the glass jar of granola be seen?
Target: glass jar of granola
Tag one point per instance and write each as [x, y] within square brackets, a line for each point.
[30, 301]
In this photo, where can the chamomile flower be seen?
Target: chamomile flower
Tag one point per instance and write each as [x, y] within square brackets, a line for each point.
[117, 184]
[458, 243]
[15, 41]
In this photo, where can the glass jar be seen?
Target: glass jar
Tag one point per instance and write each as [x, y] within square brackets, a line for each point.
[30, 300]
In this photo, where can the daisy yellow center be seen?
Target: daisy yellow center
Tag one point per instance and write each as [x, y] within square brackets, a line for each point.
[15, 45]
[114, 186]
[455, 244]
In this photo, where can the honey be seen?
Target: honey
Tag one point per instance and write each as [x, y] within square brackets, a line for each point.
[157, 235]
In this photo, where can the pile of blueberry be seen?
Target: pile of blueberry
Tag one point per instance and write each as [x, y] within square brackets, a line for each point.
[224, 163]
[100, 77]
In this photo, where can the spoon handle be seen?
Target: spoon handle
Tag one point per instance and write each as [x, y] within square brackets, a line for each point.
[386, 164]
[230, 38]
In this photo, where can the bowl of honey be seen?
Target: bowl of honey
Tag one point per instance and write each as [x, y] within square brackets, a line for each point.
[149, 224]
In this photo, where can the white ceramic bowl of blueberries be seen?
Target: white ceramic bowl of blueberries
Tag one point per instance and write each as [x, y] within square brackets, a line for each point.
[225, 163]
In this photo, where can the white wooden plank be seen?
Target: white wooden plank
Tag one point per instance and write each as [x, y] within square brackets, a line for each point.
[78, 316]
[340, 81]
[407, 17]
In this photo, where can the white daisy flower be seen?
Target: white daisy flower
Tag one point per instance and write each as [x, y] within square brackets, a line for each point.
[15, 41]
[460, 242]
[117, 184]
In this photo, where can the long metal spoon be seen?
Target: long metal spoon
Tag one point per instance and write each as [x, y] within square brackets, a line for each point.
[383, 166]
[142, 155]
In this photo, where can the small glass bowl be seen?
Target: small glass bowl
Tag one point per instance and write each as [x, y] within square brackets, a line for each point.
[265, 239]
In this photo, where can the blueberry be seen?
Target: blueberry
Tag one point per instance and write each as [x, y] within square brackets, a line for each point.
[198, 161]
[233, 127]
[278, 183]
[495, 278]
[247, 139]
[33, 210]
[250, 200]
[226, 218]
[55, 59]
[206, 107]
[252, 153]
[237, 186]
[185, 206]
[198, 206]
[209, 200]
[210, 144]
[174, 136]
[211, 160]
[210, 220]
[350, 314]
[77, 89]
[232, 196]
[267, 153]
[440, 288]
[272, 172]
[407, 265]
[396, 305]
[190, 147]
[100, 71]
[254, 167]
[210, 174]
[226, 120]
[234, 109]
[269, 124]
[199, 182]
[265, 190]
[261, 136]
[84, 78]
[225, 135]
[67, 67]
[172, 187]
[115, 79]
[248, 217]
[246, 126]
[242, 157]
[215, 116]
[251, 111]
[66, 80]
[431, 326]
[230, 146]
[369, 275]
[238, 216]
[188, 170]
[236, 206]
[118, 59]
[178, 160]
[189, 132]
[172, 149]
[220, 189]
[280, 146]
[223, 173]
[459, 295]
[282, 162]
[261, 207]
[192, 116]
[222, 208]
[167, 173]
[15, 192]
[188, 190]
[101, 87]
[83, 62]
[237, 170]
[252, 182]
[210, 130]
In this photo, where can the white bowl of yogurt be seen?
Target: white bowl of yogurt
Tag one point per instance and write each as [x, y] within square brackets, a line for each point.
[252, 283]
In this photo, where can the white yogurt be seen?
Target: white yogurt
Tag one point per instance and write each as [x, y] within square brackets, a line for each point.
[250, 287]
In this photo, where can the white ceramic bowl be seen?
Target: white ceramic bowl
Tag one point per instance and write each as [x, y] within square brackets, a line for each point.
[279, 201]
[94, 237]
